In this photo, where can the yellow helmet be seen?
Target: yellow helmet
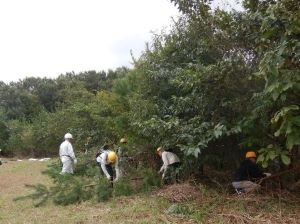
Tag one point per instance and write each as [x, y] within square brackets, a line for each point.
[250, 154]
[111, 157]
[123, 140]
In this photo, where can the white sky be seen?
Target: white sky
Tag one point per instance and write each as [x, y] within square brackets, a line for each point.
[52, 37]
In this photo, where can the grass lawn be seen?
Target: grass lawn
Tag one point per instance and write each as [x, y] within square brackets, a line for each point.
[14, 175]
[210, 206]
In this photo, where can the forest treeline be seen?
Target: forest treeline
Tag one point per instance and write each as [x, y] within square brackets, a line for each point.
[217, 84]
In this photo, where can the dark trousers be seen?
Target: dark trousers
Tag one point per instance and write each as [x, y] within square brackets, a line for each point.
[110, 171]
[172, 173]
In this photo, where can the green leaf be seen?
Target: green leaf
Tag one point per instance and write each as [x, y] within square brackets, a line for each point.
[197, 152]
[285, 159]
[292, 139]
[264, 164]
[275, 95]
[277, 133]
[260, 158]
[272, 155]
[296, 120]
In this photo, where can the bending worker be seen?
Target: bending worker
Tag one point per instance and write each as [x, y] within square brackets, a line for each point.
[170, 166]
[108, 160]
[245, 178]
[66, 154]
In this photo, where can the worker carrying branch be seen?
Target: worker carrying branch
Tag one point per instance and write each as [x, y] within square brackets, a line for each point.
[170, 167]
[245, 178]
[66, 154]
[108, 160]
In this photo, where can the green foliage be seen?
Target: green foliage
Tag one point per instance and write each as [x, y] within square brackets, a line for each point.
[279, 67]
[179, 210]
[45, 89]
[214, 85]
[15, 144]
[103, 191]
[71, 189]
[86, 184]
[272, 152]
[150, 180]
[4, 135]
[123, 187]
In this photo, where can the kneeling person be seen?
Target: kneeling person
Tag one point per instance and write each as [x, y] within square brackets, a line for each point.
[247, 174]
[109, 160]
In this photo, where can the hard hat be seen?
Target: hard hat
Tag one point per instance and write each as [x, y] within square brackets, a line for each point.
[68, 135]
[250, 154]
[111, 157]
[159, 149]
[123, 140]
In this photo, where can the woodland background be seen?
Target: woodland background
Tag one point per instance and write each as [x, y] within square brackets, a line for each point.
[216, 85]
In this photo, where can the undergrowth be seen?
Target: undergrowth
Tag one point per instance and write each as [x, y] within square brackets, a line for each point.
[86, 184]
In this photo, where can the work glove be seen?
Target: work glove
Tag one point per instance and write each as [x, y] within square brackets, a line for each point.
[115, 180]
[267, 174]
[108, 177]
[75, 161]
[98, 159]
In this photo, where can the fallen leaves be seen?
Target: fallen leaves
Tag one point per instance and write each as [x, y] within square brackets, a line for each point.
[180, 192]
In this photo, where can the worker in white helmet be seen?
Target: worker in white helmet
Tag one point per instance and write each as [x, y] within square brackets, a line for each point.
[66, 154]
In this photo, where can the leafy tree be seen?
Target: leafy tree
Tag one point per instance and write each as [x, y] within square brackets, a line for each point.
[4, 135]
[45, 89]
[279, 67]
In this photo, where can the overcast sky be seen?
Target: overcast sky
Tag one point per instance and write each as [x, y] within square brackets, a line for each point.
[52, 37]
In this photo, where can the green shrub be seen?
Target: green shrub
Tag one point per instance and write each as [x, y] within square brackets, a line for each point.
[103, 190]
[123, 188]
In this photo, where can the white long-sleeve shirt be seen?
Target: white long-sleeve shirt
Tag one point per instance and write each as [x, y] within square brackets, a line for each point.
[168, 158]
[102, 159]
[66, 149]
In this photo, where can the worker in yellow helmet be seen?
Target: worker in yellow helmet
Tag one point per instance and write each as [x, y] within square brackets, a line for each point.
[108, 161]
[245, 178]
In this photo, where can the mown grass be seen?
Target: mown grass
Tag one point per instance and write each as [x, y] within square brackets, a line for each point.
[212, 206]
[14, 175]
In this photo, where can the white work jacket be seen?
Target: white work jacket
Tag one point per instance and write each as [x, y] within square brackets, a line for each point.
[168, 158]
[66, 150]
[102, 159]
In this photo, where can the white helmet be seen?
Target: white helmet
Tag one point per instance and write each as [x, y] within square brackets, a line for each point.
[68, 136]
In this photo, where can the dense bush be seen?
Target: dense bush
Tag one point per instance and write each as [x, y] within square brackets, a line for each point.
[218, 83]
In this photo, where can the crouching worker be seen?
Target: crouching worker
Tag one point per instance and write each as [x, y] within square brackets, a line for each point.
[108, 161]
[170, 167]
[245, 178]
[66, 154]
